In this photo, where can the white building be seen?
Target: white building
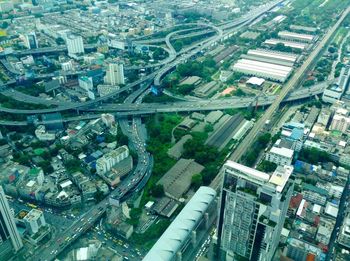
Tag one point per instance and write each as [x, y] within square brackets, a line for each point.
[86, 83]
[340, 123]
[263, 69]
[67, 66]
[107, 161]
[42, 135]
[75, 44]
[34, 220]
[280, 156]
[253, 207]
[115, 74]
[108, 119]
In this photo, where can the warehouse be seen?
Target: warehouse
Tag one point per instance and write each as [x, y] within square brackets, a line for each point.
[296, 45]
[285, 59]
[263, 69]
[288, 57]
[177, 180]
[296, 37]
[303, 28]
[206, 89]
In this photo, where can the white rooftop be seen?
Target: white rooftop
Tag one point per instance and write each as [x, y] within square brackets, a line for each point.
[256, 174]
[280, 177]
[285, 152]
[256, 81]
[331, 210]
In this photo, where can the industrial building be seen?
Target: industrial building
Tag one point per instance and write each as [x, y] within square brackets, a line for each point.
[177, 180]
[295, 45]
[266, 70]
[206, 89]
[223, 135]
[308, 38]
[187, 230]
[253, 207]
[279, 58]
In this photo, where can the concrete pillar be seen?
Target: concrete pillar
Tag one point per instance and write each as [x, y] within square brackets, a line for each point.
[194, 238]
[179, 256]
[206, 219]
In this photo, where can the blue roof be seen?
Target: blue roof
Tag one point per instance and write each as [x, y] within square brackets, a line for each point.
[297, 134]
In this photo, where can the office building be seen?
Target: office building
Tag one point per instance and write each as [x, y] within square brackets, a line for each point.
[75, 44]
[31, 41]
[34, 220]
[115, 74]
[253, 207]
[10, 240]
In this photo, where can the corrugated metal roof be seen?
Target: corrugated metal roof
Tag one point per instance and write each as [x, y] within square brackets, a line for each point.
[174, 237]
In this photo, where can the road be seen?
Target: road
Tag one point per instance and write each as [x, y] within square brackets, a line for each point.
[122, 110]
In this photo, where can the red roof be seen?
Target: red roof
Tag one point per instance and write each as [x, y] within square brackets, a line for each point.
[295, 201]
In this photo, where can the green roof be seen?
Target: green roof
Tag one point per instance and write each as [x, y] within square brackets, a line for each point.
[34, 171]
[307, 186]
[39, 151]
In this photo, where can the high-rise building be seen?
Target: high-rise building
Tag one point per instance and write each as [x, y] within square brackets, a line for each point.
[31, 41]
[253, 207]
[10, 240]
[75, 44]
[115, 74]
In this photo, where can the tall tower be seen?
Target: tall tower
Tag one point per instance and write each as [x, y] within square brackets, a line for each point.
[10, 239]
[252, 211]
[115, 74]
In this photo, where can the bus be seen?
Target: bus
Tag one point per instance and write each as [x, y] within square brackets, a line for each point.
[31, 205]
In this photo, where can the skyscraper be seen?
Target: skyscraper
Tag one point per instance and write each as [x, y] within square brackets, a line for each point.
[75, 44]
[253, 207]
[115, 74]
[10, 239]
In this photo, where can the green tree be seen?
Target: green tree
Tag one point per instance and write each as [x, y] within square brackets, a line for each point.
[157, 191]
[196, 181]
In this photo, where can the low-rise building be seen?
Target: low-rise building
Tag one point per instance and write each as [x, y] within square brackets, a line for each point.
[279, 155]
